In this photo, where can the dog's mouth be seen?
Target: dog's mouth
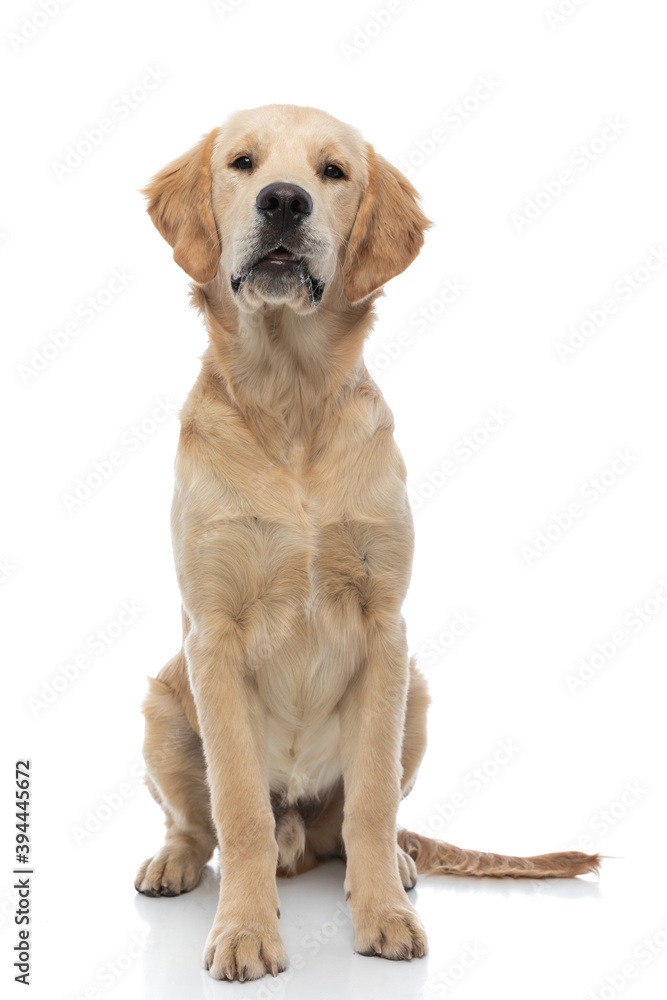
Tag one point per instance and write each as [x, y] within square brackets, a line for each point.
[282, 261]
[281, 255]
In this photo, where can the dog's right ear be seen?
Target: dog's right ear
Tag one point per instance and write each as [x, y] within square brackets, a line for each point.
[180, 205]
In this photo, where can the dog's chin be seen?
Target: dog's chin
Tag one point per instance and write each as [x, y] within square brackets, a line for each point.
[278, 280]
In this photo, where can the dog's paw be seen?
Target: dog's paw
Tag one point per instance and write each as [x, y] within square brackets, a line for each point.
[170, 872]
[394, 932]
[407, 869]
[243, 952]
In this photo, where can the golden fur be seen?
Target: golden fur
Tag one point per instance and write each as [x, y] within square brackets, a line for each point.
[292, 722]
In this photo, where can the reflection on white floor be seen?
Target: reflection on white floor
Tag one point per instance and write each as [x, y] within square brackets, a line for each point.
[487, 937]
[95, 938]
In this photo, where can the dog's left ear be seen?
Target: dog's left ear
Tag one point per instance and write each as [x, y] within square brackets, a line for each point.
[180, 205]
[388, 231]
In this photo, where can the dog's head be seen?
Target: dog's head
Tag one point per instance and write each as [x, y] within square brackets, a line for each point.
[283, 203]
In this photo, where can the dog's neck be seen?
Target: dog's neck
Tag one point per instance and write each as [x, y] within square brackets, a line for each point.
[284, 371]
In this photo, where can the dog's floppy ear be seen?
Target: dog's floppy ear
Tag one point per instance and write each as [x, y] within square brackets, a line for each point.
[179, 203]
[388, 231]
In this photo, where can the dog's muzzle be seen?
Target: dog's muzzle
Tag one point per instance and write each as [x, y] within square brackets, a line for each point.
[283, 208]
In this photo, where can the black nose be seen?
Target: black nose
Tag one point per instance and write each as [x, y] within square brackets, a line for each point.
[284, 204]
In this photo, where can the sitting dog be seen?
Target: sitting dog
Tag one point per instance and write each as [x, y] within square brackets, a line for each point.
[292, 722]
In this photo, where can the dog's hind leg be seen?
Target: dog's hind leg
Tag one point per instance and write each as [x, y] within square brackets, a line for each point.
[176, 778]
[412, 752]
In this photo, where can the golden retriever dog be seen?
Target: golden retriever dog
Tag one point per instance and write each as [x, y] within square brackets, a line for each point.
[292, 722]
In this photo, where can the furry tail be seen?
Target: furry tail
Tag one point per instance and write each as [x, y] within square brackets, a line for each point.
[436, 857]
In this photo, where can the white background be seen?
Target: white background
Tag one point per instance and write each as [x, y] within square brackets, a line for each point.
[578, 751]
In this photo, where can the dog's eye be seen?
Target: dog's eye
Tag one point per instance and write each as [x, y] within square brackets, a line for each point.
[242, 163]
[333, 171]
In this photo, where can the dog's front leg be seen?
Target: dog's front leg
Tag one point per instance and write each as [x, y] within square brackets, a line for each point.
[244, 942]
[372, 717]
